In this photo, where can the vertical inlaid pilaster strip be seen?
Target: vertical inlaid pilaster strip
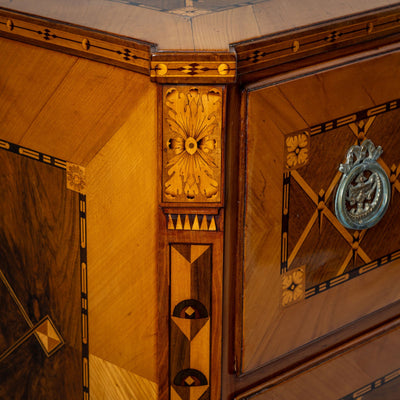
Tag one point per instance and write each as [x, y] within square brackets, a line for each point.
[84, 297]
[190, 321]
[191, 223]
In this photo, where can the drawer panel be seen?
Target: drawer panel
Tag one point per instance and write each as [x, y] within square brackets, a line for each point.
[306, 277]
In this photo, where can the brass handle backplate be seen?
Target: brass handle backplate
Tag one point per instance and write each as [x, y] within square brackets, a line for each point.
[363, 194]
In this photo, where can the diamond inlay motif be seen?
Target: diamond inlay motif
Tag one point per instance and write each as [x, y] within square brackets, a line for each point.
[189, 381]
[48, 337]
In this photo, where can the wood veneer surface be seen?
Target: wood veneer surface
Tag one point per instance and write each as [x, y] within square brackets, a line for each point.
[372, 367]
[62, 105]
[40, 259]
[194, 28]
[269, 331]
[122, 234]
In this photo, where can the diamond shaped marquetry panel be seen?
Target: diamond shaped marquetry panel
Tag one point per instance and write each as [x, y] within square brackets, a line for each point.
[309, 217]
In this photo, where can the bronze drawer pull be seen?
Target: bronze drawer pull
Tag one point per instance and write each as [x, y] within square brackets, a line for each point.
[363, 194]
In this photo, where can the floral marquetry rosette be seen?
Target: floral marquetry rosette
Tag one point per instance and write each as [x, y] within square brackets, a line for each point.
[293, 286]
[76, 178]
[192, 144]
[297, 149]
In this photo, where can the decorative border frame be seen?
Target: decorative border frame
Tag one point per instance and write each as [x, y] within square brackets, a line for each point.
[273, 50]
[61, 164]
[89, 43]
[210, 67]
[379, 262]
[252, 59]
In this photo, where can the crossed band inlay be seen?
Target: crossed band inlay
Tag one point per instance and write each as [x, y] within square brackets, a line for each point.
[363, 193]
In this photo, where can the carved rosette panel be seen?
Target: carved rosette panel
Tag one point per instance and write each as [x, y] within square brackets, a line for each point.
[192, 137]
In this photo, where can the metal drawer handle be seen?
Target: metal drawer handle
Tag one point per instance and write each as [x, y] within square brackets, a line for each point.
[363, 194]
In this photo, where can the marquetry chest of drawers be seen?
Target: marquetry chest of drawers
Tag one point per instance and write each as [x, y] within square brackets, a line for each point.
[185, 224]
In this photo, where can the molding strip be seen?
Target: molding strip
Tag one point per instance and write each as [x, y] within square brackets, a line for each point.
[88, 43]
[378, 383]
[210, 67]
[273, 50]
[290, 373]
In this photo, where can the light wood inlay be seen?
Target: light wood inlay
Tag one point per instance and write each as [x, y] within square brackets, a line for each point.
[121, 231]
[293, 107]
[192, 144]
[111, 382]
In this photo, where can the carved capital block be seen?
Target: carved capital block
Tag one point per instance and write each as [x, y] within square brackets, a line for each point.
[192, 144]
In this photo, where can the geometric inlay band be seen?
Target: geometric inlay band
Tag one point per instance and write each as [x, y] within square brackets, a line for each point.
[192, 222]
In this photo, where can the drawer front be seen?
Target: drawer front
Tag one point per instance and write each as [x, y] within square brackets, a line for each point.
[309, 281]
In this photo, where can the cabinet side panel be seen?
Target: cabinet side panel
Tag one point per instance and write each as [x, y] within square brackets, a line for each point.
[122, 206]
[40, 282]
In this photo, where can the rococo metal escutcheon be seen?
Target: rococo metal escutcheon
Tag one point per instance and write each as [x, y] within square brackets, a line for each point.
[363, 194]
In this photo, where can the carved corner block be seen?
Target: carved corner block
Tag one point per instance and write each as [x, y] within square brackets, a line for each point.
[192, 144]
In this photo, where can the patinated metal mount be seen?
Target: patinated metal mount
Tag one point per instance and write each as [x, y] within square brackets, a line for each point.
[363, 194]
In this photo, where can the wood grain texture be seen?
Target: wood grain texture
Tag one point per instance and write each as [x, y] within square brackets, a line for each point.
[268, 52]
[190, 324]
[92, 44]
[384, 388]
[23, 97]
[40, 259]
[214, 28]
[365, 364]
[122, 218]
[80, 97]
[109, 381]
[352, 249]
[168, 31]
[211, 332]
[290, 111]
[215, 31]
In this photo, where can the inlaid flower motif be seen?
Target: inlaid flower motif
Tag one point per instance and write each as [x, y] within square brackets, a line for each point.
[293, 286]
[193, 118]
[297, 149]
[76, 178]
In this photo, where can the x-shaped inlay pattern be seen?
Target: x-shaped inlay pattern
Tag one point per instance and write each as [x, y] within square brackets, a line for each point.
[354, 239]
